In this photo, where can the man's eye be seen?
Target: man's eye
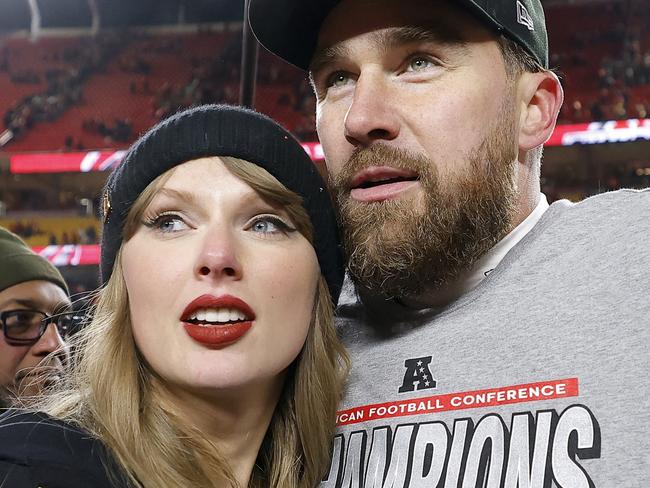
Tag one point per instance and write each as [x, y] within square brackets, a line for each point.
[338, 79]
[419, 63]
[24, 317]
[21, 322]
[166, 223]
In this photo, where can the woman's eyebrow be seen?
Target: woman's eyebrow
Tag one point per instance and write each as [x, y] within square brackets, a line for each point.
[193, 199]
[182, 195]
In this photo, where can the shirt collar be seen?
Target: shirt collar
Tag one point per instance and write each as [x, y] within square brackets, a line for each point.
[470, 279]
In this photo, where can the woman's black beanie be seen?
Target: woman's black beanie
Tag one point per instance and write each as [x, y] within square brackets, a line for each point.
[221, 130]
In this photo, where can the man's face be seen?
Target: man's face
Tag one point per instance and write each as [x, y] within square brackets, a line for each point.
[417, 119]
[18, 363]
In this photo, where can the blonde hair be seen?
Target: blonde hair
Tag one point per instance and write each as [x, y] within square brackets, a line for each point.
[112, 392]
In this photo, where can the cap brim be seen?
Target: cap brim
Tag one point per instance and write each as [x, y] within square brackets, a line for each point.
[289, 28]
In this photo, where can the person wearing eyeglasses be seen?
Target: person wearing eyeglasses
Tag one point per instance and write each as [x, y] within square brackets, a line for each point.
[35, 316]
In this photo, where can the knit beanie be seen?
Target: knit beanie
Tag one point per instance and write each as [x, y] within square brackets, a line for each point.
[18, 263]
[222, 130]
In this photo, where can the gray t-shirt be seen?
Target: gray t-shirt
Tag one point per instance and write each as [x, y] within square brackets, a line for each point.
[536, 378]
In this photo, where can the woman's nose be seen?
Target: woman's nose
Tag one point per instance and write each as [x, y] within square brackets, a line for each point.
[218, 257]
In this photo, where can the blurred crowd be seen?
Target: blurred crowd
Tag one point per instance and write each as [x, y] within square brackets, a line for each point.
[215, 78]
[64, 85]
[613, 91]
[616, 72]
[84, 234]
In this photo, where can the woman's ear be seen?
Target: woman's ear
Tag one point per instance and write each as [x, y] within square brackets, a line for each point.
[540, 96]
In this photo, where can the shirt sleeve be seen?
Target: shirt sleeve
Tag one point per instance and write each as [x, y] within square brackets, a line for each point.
[15, 475]
[37, 451]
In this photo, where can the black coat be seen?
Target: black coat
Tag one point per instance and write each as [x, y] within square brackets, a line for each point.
[38, 451]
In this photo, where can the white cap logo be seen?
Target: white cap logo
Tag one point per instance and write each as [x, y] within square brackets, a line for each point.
[523, 17]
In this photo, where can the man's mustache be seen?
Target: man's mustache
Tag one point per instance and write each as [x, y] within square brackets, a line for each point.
[37, 374]
[379, 154]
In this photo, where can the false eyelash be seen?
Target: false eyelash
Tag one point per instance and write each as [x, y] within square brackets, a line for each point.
[277, 221]
[154, 219]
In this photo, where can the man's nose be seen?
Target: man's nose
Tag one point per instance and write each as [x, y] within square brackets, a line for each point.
[372, 115]
[49, 342]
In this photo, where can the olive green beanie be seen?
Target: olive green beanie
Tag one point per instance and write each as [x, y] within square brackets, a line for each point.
[18, 263]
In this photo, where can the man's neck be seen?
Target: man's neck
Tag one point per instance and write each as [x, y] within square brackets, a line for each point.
[470, 278]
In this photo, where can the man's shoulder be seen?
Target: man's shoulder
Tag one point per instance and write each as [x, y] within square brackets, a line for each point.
[26, 430]
[621, 211]
[612, 202]
[34, 442]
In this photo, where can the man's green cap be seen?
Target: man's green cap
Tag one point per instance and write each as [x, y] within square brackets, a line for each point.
[18, 264]
[290, 28]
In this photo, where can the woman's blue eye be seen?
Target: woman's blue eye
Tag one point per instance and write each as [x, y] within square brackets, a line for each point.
[270, 225]
[167, 223]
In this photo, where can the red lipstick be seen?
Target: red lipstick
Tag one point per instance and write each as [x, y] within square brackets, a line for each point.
[217, 334]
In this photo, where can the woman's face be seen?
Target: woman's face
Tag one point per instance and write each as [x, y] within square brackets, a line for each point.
[221, 286]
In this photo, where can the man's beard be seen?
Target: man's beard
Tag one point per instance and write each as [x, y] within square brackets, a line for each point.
[408, 247]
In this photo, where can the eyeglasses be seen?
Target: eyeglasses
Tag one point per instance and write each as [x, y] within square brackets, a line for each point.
[26, 327]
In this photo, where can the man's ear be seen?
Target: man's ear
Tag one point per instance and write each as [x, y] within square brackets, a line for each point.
[541, 97]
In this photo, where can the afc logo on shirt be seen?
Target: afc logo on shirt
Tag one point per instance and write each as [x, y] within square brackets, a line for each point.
[418, 375]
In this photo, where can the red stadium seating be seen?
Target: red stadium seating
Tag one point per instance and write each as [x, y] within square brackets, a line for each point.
[108, 95]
